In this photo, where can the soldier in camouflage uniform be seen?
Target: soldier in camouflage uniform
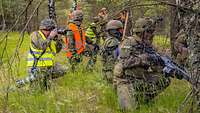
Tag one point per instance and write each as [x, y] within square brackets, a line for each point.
[41, 57]
[136, 78]
[92, 45]
[110, 48]
[181, 47]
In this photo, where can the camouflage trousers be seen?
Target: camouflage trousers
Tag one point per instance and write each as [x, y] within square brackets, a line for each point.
[133, 92]
[44, 74]
[108, 67]
[91, 52]
[74, 61]
[91, 62]
[108, 75]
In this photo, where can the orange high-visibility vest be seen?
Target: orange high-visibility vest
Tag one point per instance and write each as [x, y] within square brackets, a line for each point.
[79, 41]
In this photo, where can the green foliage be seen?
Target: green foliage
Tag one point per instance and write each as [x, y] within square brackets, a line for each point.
[162, 42]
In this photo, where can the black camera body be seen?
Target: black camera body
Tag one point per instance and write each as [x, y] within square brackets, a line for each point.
[62, 31]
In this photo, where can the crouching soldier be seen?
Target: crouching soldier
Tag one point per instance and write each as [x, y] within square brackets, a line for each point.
[41, 56]
[92, 46]
[110, 48]
[137, 78]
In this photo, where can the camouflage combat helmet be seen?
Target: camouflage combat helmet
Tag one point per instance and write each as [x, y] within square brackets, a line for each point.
[144, 24]
[96, 19]
[103, 9]
[114, 24]
[47, 24]
[77, 15]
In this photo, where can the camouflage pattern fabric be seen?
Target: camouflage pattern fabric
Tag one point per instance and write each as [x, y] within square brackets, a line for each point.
[133, 92]
[109, 57]
[136, 79]
[75, 60]
[44, 74]
[92, 46]
[181, 48]
[47, 24]
[91, 52]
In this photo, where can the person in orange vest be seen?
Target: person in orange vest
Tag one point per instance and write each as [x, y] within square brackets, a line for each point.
[75, 39]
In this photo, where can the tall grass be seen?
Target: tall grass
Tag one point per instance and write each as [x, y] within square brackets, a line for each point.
[80, 92]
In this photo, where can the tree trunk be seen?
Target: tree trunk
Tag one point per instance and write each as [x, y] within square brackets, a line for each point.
[3, 17]
[174, 27]
[195, 65]
[129, 29]
[191, 25]
[37, 19]
[52, 10]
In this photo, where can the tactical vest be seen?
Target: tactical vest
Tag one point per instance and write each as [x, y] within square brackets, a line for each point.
[78, 38]
[90, 33]
[45, 59]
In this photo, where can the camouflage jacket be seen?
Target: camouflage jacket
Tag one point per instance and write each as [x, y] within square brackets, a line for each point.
[109, 52]
[134, 60]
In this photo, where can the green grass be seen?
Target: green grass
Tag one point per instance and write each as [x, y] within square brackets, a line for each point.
[80, 92]
[162, 41]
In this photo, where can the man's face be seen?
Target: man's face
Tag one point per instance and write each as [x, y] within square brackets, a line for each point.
[46, 32]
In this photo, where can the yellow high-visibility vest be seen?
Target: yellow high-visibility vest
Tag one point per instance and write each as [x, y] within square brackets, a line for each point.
[47, 59]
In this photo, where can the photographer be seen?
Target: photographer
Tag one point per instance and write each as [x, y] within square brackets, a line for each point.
[41, 56]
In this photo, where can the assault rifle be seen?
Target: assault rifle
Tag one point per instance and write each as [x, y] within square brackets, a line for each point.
[170, 67]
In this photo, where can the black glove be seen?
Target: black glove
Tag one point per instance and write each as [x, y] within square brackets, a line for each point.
[178, 75]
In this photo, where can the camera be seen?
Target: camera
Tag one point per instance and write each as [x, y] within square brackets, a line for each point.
[62, 31]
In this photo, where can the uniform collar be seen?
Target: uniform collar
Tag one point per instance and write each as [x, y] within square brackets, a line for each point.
[137, 38]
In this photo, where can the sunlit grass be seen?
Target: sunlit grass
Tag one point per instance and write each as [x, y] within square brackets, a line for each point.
[162, 41]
